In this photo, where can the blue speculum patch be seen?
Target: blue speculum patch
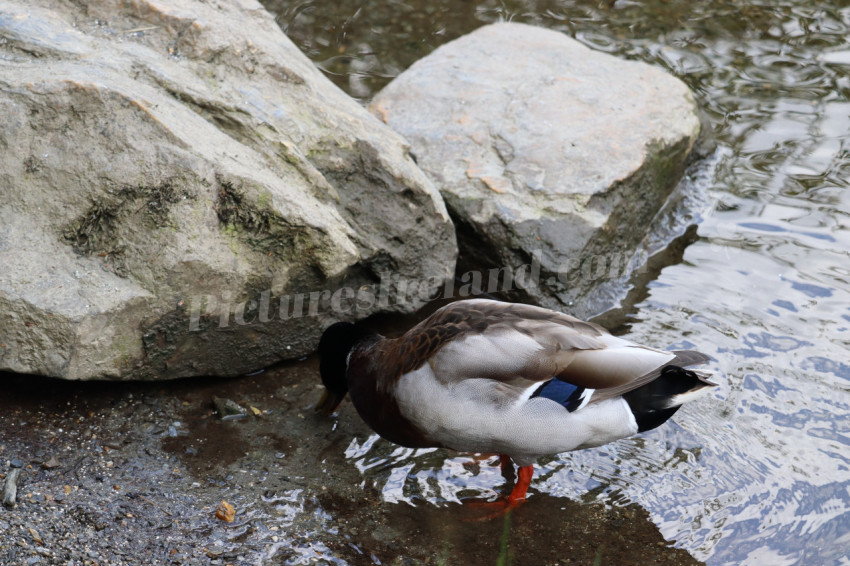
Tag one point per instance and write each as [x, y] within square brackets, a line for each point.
[567, 394]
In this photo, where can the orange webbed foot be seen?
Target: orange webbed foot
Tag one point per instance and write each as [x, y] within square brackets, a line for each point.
[501, 507]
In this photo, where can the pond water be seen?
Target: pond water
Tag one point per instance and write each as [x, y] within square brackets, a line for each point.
[759, 473]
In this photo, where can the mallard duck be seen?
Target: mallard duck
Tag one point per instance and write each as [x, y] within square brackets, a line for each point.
[501, 378]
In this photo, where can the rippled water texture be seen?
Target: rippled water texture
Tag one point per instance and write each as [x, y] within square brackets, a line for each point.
[758, 473]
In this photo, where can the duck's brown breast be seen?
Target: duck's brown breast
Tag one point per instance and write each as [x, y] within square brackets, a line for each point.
[371, 385]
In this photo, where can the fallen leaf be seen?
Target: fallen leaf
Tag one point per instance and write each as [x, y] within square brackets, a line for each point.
[225, 512]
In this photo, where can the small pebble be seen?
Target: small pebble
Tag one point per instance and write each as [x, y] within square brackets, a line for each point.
[10, 490]
[225, 512]
[228, 409]
[16, 463]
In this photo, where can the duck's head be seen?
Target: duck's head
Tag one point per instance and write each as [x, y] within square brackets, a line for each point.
[334, 347]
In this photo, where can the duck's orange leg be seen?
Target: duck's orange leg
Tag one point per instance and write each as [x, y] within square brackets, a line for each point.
[517, 496]
[523, 480]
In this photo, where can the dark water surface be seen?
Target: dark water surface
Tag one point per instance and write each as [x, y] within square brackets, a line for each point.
[759, 473]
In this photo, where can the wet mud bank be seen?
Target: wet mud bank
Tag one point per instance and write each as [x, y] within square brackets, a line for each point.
[118, 473]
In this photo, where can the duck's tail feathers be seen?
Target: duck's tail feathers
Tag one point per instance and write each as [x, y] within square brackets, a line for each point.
[688, 358]
[656, 401]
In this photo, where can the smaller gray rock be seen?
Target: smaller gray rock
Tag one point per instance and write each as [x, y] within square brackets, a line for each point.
[552, 157]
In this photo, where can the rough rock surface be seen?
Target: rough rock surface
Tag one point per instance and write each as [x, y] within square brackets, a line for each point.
[153, 154]
[548, 154]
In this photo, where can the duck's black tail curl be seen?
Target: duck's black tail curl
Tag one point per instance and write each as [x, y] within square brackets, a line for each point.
[652, 404]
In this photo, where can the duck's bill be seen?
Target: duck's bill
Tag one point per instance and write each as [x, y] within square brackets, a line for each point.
[328, 403]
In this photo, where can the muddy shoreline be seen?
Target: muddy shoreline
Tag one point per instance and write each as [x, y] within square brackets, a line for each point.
[132, 473]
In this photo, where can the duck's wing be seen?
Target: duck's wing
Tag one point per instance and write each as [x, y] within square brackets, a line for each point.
[681, 358]
[522, 346]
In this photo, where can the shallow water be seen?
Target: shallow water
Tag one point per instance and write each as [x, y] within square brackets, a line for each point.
[758, 473]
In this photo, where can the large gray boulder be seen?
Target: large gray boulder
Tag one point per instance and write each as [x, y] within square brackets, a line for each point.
[553, 159]
[182, 192]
